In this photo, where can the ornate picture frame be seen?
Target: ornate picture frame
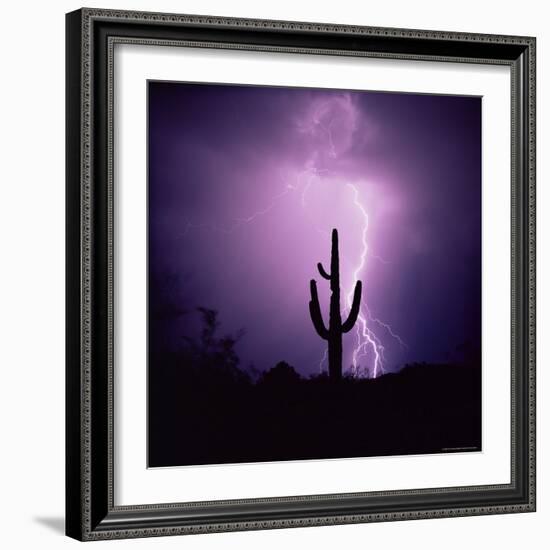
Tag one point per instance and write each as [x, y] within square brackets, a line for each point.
[92, 511]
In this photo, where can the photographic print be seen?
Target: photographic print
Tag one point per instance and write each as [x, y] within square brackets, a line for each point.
[302, 247]
[314, 273]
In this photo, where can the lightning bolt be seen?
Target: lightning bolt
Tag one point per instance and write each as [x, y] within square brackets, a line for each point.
[386, 327]
[238, 222]
[367, 342]
[365, 337]
[323, 361]
[263, 211]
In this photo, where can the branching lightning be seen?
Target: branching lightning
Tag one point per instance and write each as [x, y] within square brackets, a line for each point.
[365, 337]
[368, 346]
[238, 222]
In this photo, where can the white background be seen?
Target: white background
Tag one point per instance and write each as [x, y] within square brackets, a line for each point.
[32, 289]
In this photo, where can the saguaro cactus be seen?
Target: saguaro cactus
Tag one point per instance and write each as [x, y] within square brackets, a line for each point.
[336, 328]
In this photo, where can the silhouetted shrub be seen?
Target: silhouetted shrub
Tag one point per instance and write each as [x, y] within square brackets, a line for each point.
[282, 374]
[213, 356]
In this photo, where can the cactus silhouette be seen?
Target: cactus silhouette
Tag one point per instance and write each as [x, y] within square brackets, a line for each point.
[336, 328]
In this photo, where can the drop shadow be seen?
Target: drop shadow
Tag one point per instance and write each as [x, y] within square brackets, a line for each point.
[56, 524]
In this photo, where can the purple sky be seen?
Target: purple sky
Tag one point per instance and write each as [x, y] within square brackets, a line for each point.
[245, 184]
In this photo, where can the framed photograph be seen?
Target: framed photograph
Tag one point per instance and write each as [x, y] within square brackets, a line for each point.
[300, 274]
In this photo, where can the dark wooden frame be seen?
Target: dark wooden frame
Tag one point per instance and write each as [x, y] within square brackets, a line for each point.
[90, 510]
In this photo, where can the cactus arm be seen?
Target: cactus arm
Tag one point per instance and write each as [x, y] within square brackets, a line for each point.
[315, 312]
[355, 307]
[322, 271]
